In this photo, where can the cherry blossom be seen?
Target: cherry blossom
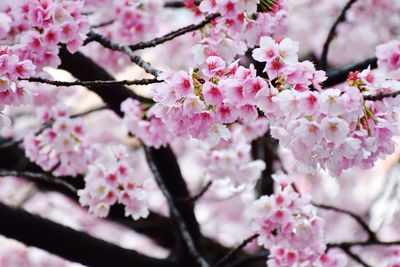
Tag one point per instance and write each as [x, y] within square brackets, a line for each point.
[287, 224]
[332, 128]
[230, 164]
[152, 131]
[389, 56]
[57, 147]
[111, 180]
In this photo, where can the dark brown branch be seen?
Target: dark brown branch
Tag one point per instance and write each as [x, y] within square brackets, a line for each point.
[104, 24]
[265, 148]
[174, 34]
[201, 193]
[198, 195]
[95, 83]
[153, 157]
[232, 253]
[363, 244]
[11, 143]
[178, 4]
[381, 96]
[39, 176]
[355, 257]
[340, 75]
[89, 71]
[358, 219]
[92, 36]
[70, 244]
[246, 260]
[332, 32]
[90, 111]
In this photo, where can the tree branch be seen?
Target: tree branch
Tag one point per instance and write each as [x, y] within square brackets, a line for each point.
[358, 219]
[201, 193]
[90, 111]
[246, 260]
[381, 96]
[12, 143]
[70, 244]
[89, 71]
[178, 4]
[232, 253]
[92, 36]
[168, 179]
[96, 83]
[43, 177]
[103, 24]
[265, 148]
[198, 195]
[355, 257]
[332, 32]
[366, 243]
[340, 75]
[174, 34]
[47, 125]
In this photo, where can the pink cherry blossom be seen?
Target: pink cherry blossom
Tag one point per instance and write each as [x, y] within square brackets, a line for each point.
[389, 55]
[288, 226]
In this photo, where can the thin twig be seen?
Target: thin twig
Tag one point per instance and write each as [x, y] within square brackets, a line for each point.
[358, 219]
[201, 193]
[19, 141]
[87, 112]
[381, 96]
[198, 195]
[332, 32]
[95, 83]
[231, 253]
[174, 211]
[103, 24]
[363, 244]
[92, 36]
[174, 34]
[262, 255]
[49, 124]
[355, 257]
[38, 177]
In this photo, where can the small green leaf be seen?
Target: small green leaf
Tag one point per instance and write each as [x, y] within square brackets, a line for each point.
[268, 4]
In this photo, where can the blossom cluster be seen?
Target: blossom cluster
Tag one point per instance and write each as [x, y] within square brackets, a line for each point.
[13, 91]
[126, 22]
[239, 27]
[282, 257]
[288, 226]
[62, 147]
[389, 57]
[151, 130]
[230, 164]
[111, 180]
[36, 28]
[394, 257]
[202, 104]
[32, 32]
[282, 63]
[333, 128]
